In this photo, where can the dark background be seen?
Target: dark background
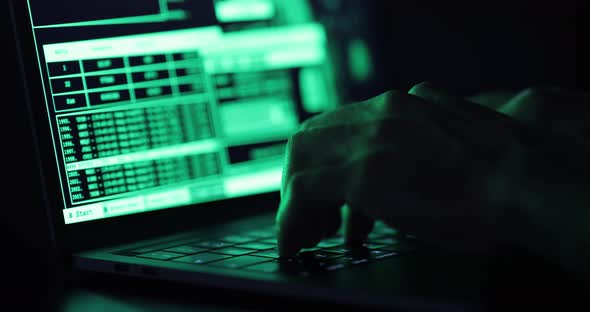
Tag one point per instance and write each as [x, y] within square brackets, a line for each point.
[464, 46]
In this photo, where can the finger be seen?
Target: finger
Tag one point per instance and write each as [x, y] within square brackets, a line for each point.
[310, 208]
[483, 129]
[358, 112]
[337, 137]
[492, 99]
[551, 108]
[385, 106]
[478, 117]
[492, 133]
[459, 106]
[357, 225]
[327, 146]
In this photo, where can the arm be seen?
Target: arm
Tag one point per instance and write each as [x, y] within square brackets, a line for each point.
[542, 181]
[546, 198]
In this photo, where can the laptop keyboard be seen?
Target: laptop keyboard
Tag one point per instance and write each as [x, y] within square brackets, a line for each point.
[257, 251]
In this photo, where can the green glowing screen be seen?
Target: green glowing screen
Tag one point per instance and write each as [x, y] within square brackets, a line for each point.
[173, 104]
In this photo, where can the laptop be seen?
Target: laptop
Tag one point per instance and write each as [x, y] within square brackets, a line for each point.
[160, 128]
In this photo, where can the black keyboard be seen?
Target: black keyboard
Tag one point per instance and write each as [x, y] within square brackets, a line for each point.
[256, 250]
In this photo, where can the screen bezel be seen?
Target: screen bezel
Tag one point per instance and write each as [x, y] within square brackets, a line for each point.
[99, 233]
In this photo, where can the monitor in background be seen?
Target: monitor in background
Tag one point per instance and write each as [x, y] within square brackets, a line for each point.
[160, 104]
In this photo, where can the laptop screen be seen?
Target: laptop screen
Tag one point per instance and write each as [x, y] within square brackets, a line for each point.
[156, 104]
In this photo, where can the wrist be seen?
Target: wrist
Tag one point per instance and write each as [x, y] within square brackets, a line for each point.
[541, 199]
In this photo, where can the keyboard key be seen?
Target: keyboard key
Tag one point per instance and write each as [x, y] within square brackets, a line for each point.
[236, 239]
[213, 244]
[318, 255]
[233, 251]
[269, 240]
[310, 249]
[189, 250]
[160, 255]
[335, 264]
[350, 260]
[339, 249]
[270, 253]
[257, 245]
[238, 262]
[381, 254]
[260, 233]
[141, 250]
[355, 252]
[334, 267]
[348, 248]
[146, 249]
[201, 258]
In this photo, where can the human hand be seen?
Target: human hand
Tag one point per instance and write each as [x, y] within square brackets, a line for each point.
[417, 163]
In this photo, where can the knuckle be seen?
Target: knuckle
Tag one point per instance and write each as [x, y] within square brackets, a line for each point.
[402, 105]
[324, 119]
[392, 99]
[294, 140]
[551, 107]
[530, 104]
[421, 89]
[311, 122]
[536, 92]
[539, 97]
